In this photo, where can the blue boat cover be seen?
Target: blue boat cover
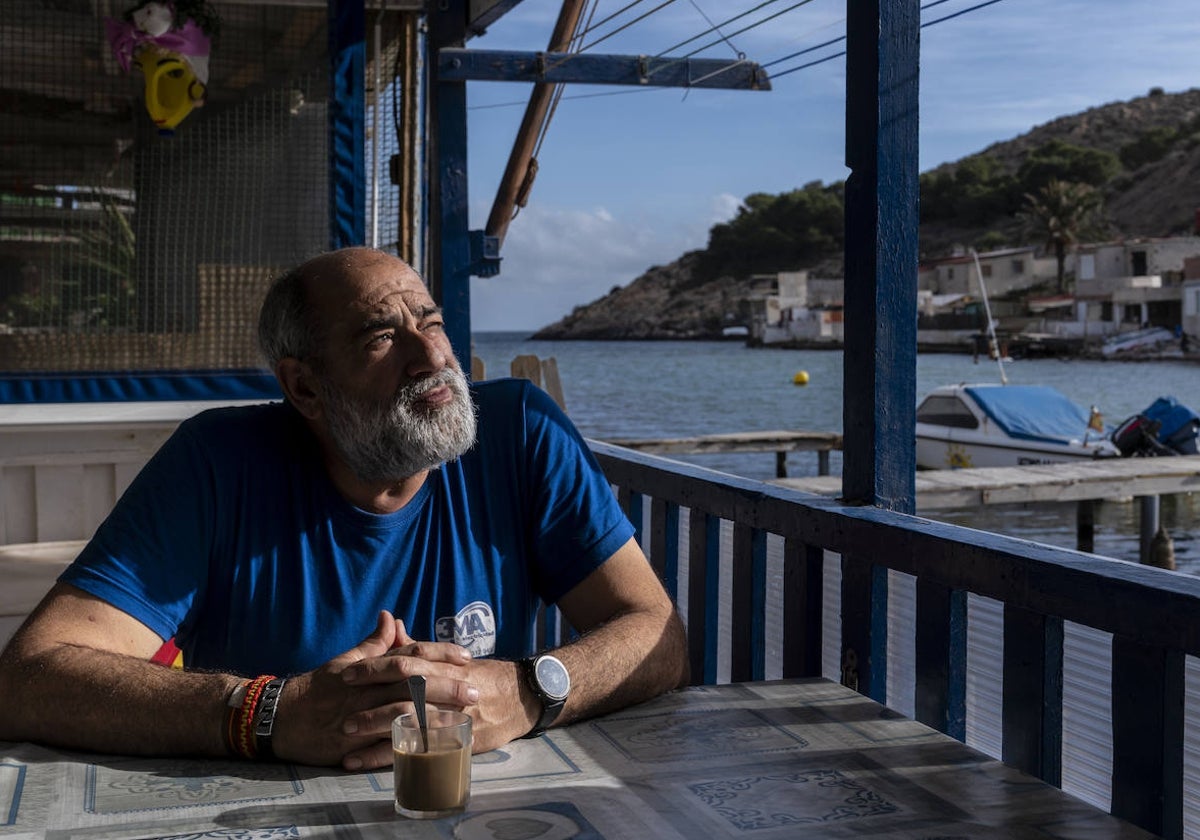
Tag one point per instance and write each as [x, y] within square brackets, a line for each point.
[1033, 412]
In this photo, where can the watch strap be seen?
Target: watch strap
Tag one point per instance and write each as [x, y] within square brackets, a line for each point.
[551, 707]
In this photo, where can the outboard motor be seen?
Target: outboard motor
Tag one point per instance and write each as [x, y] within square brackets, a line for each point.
[1179, 425]
[1164, 428]
[1137, 437]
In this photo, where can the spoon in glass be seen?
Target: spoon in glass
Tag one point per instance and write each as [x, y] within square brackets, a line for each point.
[416, 690]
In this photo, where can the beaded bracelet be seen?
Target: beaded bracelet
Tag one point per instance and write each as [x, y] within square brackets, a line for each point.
[240, 724]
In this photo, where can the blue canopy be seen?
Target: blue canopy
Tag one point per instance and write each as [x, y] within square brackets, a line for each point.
[1032, 412]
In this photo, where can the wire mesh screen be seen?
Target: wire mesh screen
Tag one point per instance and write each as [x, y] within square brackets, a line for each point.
[126, 247]
[394, 105]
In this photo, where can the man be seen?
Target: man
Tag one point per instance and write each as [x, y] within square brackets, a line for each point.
[298, 551]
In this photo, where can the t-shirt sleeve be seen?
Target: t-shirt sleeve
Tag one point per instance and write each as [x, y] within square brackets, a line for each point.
[149, 556]
[579, 522]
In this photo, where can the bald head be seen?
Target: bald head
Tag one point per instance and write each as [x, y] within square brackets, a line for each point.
[291, 322]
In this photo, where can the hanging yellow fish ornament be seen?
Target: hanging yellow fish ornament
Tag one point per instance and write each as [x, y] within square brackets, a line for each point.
[171, 48]
[172, 89]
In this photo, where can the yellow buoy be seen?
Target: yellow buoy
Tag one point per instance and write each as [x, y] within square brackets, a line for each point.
[801, 378]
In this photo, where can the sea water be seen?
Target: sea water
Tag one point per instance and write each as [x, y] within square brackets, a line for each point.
[659, 389]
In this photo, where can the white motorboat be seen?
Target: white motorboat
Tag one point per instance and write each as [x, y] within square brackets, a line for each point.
[964, 426]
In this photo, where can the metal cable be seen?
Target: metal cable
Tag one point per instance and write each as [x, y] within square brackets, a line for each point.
[754, 25]
[622, 28]
[715, 28]
[615, 14]
[832, 56]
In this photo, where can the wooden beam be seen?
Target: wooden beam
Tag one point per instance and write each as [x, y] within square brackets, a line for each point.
[584, 68]
[879, 404]
[517, 178]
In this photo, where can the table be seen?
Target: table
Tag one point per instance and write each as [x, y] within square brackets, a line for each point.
[768, 760]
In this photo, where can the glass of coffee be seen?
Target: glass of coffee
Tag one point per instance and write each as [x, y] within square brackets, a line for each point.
[433, 772]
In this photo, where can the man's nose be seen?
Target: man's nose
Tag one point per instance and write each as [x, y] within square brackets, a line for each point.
[426, 355]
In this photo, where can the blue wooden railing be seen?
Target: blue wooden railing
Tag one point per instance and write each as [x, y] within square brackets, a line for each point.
[1153, 616]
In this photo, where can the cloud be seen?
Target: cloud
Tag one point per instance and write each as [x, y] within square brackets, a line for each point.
[556, 258]
[725, 207]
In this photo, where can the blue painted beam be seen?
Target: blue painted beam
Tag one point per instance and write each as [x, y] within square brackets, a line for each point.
[581, 68]
[879, 391]
[347, 124]
[452, 257]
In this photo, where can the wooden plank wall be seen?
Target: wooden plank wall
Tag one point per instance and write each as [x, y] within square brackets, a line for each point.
[59, 485]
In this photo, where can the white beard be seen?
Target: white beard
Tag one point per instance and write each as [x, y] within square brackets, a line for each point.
[389, 441]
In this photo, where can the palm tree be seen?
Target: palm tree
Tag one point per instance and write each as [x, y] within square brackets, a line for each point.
[1060, 213]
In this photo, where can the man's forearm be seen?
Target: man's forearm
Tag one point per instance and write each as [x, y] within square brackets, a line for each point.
[83, 698]
[627, 659]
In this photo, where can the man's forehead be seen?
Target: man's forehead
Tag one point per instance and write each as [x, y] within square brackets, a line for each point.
[368, 281]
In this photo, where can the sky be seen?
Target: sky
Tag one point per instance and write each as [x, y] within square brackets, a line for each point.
[632, 178]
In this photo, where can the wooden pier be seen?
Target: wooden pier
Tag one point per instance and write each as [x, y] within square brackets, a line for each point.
[779, 442]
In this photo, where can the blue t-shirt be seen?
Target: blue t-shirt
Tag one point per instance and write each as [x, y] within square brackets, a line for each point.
[234, 540]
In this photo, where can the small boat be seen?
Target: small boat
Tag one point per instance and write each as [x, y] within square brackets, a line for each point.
[1138, 341]
[965, 426]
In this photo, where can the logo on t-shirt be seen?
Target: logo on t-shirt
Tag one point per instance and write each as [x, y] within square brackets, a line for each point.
[474, 628]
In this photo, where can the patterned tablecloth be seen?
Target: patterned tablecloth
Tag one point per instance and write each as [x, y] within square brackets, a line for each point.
[803, 758]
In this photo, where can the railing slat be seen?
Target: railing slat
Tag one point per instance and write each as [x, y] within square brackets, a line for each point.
[664, 544]
[803, 591]
[758, 605]
[741, 605]
[1147, 716]
[631, 502]
[941, 658]
[1032, 693]
[704, 548]
[864, 628]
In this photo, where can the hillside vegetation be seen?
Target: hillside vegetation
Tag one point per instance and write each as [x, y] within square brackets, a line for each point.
[1142, 156]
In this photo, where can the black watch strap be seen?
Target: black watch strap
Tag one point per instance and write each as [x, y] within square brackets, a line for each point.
[551, 706]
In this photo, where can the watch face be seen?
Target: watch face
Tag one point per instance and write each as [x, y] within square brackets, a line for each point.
[552, 676]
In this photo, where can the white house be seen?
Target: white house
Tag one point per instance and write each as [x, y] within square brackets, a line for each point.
[1003, 271]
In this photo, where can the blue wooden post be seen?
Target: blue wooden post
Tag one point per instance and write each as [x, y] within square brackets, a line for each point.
[879, 390]
[451, 241]
[346, 119]
[879, 384]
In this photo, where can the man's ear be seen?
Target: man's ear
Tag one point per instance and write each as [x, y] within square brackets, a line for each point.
[298, 382]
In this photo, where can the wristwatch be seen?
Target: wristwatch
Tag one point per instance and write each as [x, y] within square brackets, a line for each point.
[548, 678]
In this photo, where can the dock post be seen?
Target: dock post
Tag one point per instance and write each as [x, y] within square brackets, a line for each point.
[781, 464]
[1149, 526]
[1085, 525]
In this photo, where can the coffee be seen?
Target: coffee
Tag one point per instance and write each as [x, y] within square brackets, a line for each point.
[432, 768]
[433, 781]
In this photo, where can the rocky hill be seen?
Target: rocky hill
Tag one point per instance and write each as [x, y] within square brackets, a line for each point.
[1143, 155]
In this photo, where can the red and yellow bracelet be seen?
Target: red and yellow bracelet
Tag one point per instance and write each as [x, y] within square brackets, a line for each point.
[239, 727]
